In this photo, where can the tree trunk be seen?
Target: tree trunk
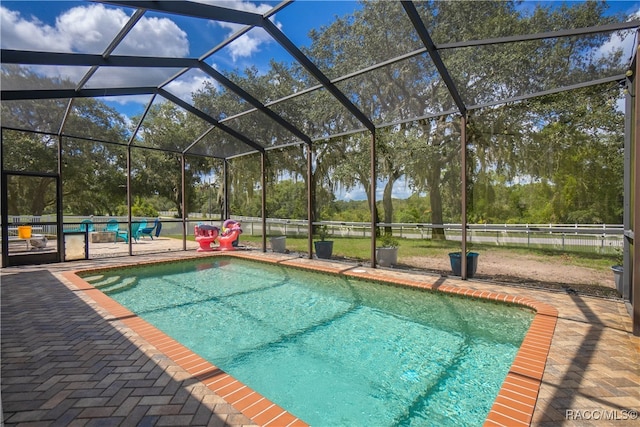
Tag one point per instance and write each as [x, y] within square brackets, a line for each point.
[435, 198]
[312, 196]
[177, 200]
[367, 190]
[387, 203]
[38, 202]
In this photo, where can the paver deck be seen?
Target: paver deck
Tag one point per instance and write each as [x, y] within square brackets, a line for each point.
[68, 361]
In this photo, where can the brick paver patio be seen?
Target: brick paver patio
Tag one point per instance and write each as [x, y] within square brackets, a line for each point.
[66, 361]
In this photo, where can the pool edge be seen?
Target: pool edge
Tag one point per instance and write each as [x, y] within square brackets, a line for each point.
[514, 405]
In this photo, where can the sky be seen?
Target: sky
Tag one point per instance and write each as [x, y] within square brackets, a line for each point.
[79, 26]
[87, 27]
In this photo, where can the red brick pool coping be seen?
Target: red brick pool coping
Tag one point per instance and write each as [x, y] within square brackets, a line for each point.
[513, 406]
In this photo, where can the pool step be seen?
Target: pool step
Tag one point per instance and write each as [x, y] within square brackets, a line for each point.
[123, 285]
[103, 283]
[111, 284]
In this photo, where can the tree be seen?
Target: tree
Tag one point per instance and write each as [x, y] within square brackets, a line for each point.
[89, 165]
[584, 146]
[159, 172]
[425, 146]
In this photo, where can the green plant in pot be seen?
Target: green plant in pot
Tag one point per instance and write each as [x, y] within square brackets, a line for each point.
[455, 258]
[387, 250]
[324, 248]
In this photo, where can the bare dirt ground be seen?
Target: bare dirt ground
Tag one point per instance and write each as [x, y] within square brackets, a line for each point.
[557, 273]
[530, 270]
[510, 268]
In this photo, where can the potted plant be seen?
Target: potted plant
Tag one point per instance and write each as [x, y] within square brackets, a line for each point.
[387, 251]
[618, 270]
[455, 258]
[279, 244]
[324, 248]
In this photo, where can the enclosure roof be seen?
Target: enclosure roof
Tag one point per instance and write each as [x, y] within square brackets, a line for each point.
[264, 101]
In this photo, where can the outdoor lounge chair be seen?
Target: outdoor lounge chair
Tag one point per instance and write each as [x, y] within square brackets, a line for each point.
[135, 229]
[114, 227]
[148, 231]
[85, 225]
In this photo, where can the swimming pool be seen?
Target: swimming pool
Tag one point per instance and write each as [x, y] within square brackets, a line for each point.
[332, 350]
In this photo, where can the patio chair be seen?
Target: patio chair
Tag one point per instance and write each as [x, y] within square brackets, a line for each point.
[135, 229]
[205, 235]
[85, 225]
[148, 231]
[114, 227]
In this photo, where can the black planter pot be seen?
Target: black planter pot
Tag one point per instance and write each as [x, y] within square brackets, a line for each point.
[456, 263]
[324, 249]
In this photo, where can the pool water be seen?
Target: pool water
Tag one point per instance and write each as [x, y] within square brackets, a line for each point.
[332, 351]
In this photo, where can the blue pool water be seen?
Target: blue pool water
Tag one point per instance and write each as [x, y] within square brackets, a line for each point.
[332, 351]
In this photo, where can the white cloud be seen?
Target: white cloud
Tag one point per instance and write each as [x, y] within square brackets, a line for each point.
[249, 43]
[155, 37]
[400, 191]
[356, 193]
[624, 40]
[239, 5]
[185, 86]
[621, 40]
[90, 29]
[18, 33]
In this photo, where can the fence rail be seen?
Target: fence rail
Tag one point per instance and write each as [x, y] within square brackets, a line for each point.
[598, 238]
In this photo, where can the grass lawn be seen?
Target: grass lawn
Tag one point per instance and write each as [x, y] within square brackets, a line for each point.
[360, 249]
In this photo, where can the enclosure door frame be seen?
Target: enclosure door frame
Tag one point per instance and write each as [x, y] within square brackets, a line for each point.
[31, 257]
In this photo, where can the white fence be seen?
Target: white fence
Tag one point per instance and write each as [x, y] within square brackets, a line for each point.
[598, 238]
